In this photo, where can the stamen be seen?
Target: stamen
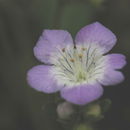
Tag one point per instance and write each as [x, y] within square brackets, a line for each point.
[63, 50]
[80, 56]
[78, 64]
[83, 49]
[72, 60]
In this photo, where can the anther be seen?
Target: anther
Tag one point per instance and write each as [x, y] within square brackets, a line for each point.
[63, 49]
[72, 60]
[80, 55]
[83, 49]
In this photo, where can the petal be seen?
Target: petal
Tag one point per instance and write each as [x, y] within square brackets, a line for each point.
[82, 94]
[49, 42]
[116, 61]
[111, 77]
[39, 78]
[96, 33]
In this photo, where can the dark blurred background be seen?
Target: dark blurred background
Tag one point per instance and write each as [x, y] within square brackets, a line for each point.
[21, 23]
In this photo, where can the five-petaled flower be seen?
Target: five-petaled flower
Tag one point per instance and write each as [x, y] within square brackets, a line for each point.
[79, 68]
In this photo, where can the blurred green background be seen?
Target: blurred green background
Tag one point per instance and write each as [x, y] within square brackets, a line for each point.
[21, 23]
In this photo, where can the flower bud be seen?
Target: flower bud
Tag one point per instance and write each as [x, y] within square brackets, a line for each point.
[94, 110]
[65, 110]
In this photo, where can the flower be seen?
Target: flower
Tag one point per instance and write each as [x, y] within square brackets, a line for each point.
[79, 68]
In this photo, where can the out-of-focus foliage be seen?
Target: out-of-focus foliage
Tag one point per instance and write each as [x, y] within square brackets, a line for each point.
[21, 23]
[81, 117]
[83, 127]
[71, 18]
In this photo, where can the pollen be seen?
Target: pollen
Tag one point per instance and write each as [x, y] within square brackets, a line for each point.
[83, 49]
[72, 60]
[80, 55]
[78, 65]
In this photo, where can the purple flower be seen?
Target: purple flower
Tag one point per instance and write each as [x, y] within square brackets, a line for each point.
[77, 70]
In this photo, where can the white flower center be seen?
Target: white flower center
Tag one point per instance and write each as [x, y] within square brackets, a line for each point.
[77, 65]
